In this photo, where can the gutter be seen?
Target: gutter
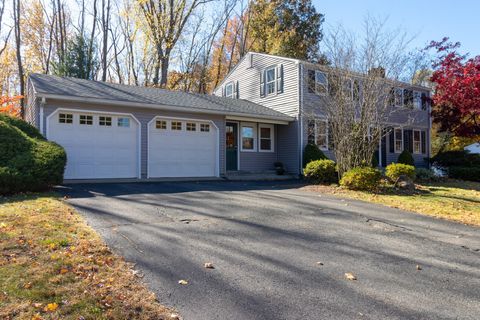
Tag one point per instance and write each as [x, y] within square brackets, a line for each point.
[283, 119]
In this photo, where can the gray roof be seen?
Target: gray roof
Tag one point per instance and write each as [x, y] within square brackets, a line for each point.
[50, 86]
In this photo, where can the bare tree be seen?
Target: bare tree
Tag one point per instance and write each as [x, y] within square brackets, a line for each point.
[105, 34]
[358, 97]
[5, 42]
[18, 46]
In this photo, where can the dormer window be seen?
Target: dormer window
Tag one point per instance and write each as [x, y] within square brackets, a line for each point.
[271, 80]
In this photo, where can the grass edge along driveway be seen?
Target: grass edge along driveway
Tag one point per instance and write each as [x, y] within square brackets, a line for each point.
[53, 265]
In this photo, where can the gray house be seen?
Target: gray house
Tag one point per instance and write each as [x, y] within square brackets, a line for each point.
[297, 88]
[112, 131]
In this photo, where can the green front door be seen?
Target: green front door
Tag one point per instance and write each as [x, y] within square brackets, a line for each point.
[231, 139]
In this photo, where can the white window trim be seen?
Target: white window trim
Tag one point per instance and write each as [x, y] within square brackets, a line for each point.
[272, 137]
[417, 100]
[419, 141]
[315, 133]
[274, 68]
[254, 127]
[230, 84]
[66, 114]
[395, 98]
[395, 140]
[326, 84]
[166, 124]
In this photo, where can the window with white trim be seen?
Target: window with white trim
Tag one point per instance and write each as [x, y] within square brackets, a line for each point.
[270, 80]
[398, 135]
[84, 119]
[176, 125]
[204, 127]
[266, 137]
[417, 100]
[191, 126]
[321, 83]
[318, 133]
[229, 90]
[123, 122]
[249, 134]
[161, 124]
[65, 118]
[417, 142]
[105, 121]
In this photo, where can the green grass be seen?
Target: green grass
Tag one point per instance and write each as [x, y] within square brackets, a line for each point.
[453, 200]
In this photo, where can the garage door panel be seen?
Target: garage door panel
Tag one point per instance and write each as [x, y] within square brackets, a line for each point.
[95, 151]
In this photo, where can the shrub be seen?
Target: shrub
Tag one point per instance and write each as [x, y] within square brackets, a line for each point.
[27, 162]
[460, 158]
[406, 158]
[375, 160]
[320, 171]
[424, 174]
[312, 153]
[361, 178]
[464, 173]
[394, 170]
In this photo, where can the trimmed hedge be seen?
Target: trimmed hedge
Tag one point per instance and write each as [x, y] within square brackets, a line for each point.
[312, 153]
[464, 173]
[460, 158]
[361, 178]
[425, 174]
[320, 171]
[406, 158]
[394, 170]
[27, 161]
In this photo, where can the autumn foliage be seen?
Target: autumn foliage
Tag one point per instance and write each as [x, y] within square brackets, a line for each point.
[456, 101]
[10, 105]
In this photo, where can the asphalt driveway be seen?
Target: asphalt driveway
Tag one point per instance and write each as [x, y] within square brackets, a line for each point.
[265, 240]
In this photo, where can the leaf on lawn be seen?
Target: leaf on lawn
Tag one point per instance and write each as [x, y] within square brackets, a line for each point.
[51, 307]
[183, 282]
[350, 276]
[209, 265]
[37, 305]
[418, 267]
[63, 270]
[174, 316]
[37, 317]
[27, 285]
[3, 225]
[319, 263]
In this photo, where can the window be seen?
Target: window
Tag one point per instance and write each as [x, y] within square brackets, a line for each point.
[425, 101]
[266, 137]
[318, 133]
[408, 98]
[88, 120]
[321, 83]
[270, 83]
[248, 137]
[204, 127]
[417, 142]
[161, 124]
[229, 90]
[398, 97]
[176, 125]
[398, 140]
[65, 118]
[191, 126]
[105, 121]
[123, 122]
[417, 100]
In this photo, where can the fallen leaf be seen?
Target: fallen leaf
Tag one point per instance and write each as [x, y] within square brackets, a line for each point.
[3, 225]
[37, 317]
[174, 316]
[63, 271]
[209, 265]
[37, 305]
[350, 276]
[183, 282]
[418, 267]
[320, 263]
[51, 307]
[27, 285]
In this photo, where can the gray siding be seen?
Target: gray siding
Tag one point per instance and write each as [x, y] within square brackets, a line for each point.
[288, 146]
[249, 83]
[144, 115]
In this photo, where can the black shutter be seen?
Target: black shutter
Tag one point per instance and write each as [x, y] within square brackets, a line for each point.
[262, 83]
[408, 140]
[392, 140]
[237, 90]
[311, 81]
[280, 78]
[424, 142]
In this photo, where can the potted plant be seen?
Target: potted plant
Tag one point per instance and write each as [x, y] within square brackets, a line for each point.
[279, 168]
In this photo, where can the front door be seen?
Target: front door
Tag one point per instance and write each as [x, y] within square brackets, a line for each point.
[231, 139]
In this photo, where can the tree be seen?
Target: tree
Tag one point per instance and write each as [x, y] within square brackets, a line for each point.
[76, 62]
[456, 100]
[18, 46]
[11, 105]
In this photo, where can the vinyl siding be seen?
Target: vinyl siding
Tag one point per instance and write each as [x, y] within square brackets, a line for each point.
[249, 83]
[288, 147]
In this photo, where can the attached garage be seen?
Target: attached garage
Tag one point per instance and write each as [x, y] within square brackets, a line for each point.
[180, 147]
[98, 145]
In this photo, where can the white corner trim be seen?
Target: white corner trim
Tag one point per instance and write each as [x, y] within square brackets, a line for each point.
[139, 129]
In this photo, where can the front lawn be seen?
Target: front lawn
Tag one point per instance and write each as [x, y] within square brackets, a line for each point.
[52, 265]
[453, 200]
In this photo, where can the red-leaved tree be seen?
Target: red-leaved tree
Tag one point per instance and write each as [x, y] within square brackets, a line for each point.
[10, 105]
[456, 99]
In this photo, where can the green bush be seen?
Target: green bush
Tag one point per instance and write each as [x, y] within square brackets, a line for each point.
[27, 161]
[320, 171]
[406, 158]
[361, 178]
[460, 158]
[424, 174]
[375, 160]
[464, 173]
[312, 153]
[394, 170]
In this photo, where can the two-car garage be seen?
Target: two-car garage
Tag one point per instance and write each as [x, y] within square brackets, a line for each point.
[103, 145]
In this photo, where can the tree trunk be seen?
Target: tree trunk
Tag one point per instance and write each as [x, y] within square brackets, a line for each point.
[21, 76]
[165, 61]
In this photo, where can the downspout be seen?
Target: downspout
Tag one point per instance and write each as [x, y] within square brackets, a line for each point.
[42, 103]
[300, 114]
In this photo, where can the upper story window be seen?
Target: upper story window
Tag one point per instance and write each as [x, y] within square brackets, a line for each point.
[417, 100]
[425, 101]
[408, 98]
[271, 80]
[65, 118]
[229, 90]
[123, 122]
[317, 82]
[398, 97]
[84, 119]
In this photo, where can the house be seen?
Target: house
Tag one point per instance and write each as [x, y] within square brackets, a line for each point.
[129, 132]
[298, 88]
[473, 148]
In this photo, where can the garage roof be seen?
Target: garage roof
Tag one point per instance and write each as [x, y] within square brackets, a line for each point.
[67, 88]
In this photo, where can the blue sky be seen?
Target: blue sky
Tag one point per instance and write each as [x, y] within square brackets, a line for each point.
[426, 19]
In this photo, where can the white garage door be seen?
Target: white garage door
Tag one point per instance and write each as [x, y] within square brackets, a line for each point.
[97, 145]
[182, 148]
